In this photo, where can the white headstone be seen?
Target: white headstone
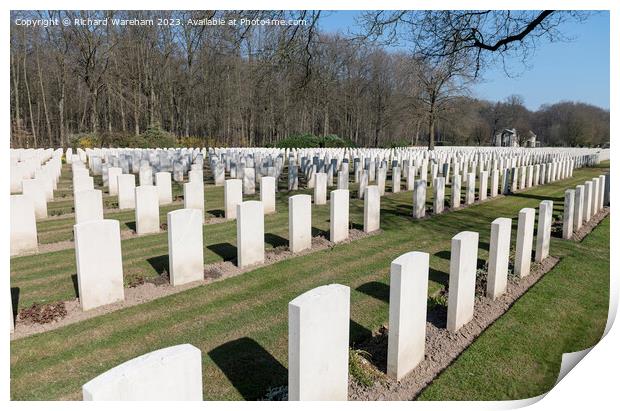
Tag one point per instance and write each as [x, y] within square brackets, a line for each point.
[499, 251]
[318, 344]
[396, 180]
[113, 173]
[587, 204]
[185, 246]
[168, 374]
[596, 189]
[250, 233]
[268, 194]
[300, 222]
[126, 191]
[339, 216]
[419, 199]
[455, 198]
[569, 211]
[525, 237]
[99, 263]
[407, 313]
[484, 181]
[249, 183]
[372, 209]
[195, 176]
[193, 197]
[88, 205]
[470, 193]
[320, 189]
[233, 196]
[439, 197]
[543, 234]
[163, 181]
[147, 210]
[578, 208]
[462, 287]
[601, 192]
[81, 183]
[23, 225]
[146, 176]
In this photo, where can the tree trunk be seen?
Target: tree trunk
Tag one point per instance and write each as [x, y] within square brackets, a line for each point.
[47, 118]
[61, 111]
[122, 107]
[109, 109]
[136, 111]
[431, 122]
[431, 131]
[18, 121]
[34, 132]
[94, 115]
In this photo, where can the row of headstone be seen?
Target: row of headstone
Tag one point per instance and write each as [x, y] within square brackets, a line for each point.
[98, 249]
[34, 174]
[583, 202]
[511, 182]
[88, 202]
[370, 165]
[319, 319]
[41, 164]
[178, 161]
[251, 229]
[98, 242]
[123, 185]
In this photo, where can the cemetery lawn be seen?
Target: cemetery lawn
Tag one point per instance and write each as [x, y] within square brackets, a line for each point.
[240, 324]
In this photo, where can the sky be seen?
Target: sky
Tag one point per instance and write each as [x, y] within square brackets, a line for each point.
[577, 70]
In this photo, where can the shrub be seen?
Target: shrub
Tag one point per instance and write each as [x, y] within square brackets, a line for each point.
[310, 141]
[192, 141]
[84, 141]
[399, 143]
[332, 140]
[298, 141]
[154, 136]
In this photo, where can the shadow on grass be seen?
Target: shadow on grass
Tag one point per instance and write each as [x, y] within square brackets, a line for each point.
[316, 232]
[275, 240]
[227, 251]
[76, 287]
[376, 289]
[250, 368]
[358, 332]
[159, 263]
[356, 226]
[217, 213]
[537, 197]
[483, 245]
[440, 277]
[15, 302]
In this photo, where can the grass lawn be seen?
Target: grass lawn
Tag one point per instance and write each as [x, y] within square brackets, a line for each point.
[240, 324]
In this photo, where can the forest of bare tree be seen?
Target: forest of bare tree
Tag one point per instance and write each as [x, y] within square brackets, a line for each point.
[233, 85]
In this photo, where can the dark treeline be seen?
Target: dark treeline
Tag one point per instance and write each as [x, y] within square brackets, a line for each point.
[249, 85]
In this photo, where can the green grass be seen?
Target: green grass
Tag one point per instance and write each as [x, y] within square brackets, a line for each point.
[240, 324]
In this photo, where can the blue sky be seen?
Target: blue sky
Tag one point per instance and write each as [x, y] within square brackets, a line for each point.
[577, 70]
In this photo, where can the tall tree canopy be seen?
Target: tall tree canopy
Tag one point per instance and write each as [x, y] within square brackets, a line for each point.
[255, 84]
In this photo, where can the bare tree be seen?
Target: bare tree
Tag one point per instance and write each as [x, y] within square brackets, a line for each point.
[256, 84]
